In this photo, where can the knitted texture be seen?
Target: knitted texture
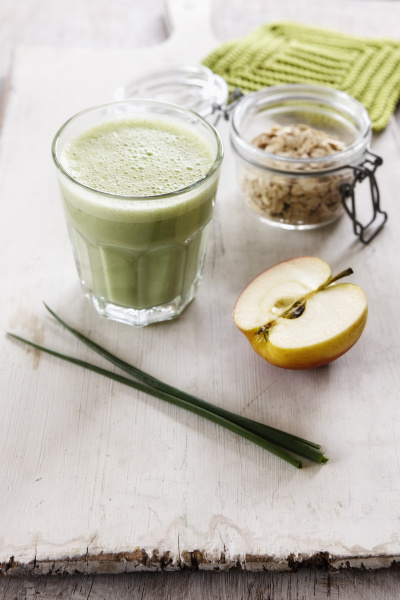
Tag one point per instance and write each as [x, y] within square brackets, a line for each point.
[367, 69]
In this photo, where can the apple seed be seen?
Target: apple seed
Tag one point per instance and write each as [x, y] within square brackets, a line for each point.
[298, 311]
[298, 307]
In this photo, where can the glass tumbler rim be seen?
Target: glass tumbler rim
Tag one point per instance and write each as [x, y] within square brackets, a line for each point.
[147, 102]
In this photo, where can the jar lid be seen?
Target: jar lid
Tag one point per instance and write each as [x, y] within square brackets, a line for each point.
[194, 87]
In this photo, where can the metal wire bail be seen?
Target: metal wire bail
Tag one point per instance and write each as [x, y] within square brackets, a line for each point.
[224, 110]
[361, 172]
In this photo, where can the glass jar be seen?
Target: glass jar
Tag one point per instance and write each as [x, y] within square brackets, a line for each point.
[193, 86]
[295, 146]
[285, 189]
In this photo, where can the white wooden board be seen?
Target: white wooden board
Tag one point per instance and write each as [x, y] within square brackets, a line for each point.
[97, 478]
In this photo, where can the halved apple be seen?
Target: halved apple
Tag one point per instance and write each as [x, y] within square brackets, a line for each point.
[296, 316]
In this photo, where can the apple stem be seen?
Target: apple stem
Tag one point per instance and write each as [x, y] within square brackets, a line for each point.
[340, 275]
[296, 309]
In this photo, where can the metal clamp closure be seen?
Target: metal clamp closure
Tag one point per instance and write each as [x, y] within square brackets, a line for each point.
[366, 169]
[224, 110]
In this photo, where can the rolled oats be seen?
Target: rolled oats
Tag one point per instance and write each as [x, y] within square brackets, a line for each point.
[299, 197]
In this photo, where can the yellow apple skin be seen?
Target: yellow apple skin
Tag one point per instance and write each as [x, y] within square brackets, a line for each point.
[312, 356]
[332, 322]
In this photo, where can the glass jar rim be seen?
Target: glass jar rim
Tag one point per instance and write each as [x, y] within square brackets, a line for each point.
[149, 103]
[205, 88]
[328, 97]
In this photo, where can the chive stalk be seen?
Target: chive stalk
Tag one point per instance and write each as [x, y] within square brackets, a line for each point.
[274, 440]
[286, 440]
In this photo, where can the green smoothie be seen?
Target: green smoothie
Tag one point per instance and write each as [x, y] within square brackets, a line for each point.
[137, 215]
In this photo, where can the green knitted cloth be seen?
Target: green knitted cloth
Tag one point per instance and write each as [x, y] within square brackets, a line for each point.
[279, 53]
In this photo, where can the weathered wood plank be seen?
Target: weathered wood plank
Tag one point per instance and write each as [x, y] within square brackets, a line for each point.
[87, 471]
[304, 585]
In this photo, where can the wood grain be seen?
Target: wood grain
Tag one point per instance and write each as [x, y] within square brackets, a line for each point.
[304, 585]
[71, 464]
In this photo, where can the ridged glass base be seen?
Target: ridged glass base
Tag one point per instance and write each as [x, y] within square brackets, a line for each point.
[144, 316]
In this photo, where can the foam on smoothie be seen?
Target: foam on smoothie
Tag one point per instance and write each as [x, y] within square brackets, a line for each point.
[137, 157]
